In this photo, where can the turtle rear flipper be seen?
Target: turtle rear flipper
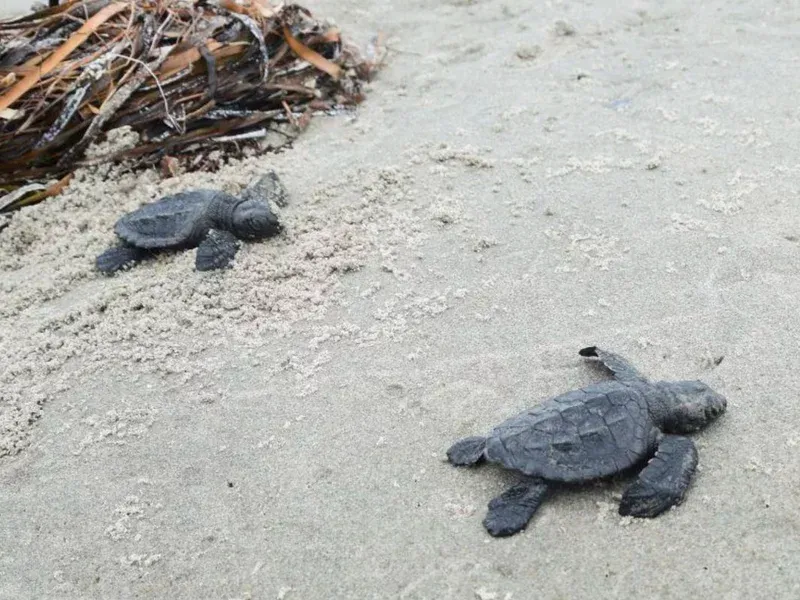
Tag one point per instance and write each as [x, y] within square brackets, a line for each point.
[662, 484]
[510, 512]
[216, 251]
[119, 257]
[469, 451]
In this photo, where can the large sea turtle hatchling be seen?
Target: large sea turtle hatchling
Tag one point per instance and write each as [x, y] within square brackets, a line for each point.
[595, 432]
[209, 220]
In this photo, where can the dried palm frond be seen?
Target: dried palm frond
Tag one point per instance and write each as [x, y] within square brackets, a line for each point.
[184, 75]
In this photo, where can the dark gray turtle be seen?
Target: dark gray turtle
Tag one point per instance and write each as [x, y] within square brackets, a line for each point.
[209, 220]
[595, 432]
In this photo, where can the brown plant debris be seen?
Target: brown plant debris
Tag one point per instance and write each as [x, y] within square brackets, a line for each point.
[186, 76]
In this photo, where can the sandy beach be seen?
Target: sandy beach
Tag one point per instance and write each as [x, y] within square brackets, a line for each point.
[523, 180]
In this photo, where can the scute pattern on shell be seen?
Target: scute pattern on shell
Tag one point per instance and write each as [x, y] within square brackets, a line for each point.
[580, 435]
[171, 222]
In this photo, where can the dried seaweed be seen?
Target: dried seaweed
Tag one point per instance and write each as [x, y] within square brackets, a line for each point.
[187, 76]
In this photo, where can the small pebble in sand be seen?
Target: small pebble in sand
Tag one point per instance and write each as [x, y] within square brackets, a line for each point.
[529, 52]
[653, 163]
[563, 29]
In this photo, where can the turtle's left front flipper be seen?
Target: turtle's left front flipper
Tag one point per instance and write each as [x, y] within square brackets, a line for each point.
[216, 251]
[621, 367]
[267, 188]
[664, 481]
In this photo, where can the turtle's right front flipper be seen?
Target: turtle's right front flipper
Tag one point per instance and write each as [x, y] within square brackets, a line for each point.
[510, 512]
[662, 484]
[216, 251]
[120, 257]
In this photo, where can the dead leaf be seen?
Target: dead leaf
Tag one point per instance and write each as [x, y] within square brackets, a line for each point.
[307, 54]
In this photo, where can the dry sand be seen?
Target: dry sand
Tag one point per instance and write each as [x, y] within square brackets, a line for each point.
[522, 182]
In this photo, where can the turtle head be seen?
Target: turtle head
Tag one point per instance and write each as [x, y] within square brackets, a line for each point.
[253, 219]
[691, 406]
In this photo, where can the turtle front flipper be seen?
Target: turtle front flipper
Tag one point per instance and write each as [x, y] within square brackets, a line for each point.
[216, 251]
[267, 188]
[510, 512]
[469, 451]
[120, 257]
[664, 481]
[620, 367]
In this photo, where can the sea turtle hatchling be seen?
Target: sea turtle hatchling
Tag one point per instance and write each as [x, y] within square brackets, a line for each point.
[594, 432]
[209, 220]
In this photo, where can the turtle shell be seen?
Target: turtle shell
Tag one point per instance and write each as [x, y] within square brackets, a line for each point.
[585, 434]
[176, 221]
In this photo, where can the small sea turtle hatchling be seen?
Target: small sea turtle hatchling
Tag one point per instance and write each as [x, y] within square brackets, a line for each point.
[209, 220]
[594, 432]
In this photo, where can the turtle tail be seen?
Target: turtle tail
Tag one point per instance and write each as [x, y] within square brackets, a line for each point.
[469, 451]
